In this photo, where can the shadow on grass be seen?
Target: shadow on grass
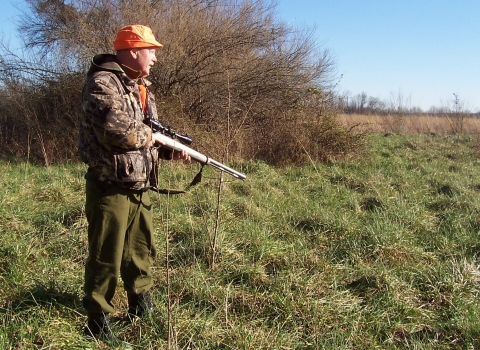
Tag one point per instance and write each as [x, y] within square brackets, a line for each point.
[42, 295]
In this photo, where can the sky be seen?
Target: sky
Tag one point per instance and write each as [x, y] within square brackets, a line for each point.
[422, 50]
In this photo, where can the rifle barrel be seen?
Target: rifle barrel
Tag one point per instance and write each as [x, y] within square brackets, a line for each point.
[199, 157]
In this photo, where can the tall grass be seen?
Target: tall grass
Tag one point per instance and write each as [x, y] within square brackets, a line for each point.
[414, 124]
[377, 253]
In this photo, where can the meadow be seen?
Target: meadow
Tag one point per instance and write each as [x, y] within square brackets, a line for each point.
[376, 253]
[414, 123]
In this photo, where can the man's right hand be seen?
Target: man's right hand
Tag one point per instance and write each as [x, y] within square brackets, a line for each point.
[156, 140]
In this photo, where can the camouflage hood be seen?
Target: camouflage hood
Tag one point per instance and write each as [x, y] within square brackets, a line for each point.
[104, 62]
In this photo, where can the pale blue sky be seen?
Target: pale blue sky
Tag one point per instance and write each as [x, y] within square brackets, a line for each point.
[425, 50]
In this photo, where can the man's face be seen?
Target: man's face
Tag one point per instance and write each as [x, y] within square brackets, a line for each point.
[145, 59]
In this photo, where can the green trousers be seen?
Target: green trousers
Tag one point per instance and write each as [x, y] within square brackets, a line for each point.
[120, 243]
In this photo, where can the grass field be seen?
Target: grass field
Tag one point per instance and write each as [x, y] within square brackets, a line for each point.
[377, 253]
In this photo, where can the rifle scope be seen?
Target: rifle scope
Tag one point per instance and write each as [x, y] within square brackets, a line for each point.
[157, 127]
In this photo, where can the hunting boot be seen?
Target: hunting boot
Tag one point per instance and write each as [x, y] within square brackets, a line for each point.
[99, 328]
[139, 305]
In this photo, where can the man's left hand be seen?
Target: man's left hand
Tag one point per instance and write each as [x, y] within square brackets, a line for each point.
[181, 155]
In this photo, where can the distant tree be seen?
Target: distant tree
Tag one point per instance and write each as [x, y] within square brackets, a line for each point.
[415, 110]
[361, 101]
[342, 101]
[375, 105]
[399, 104]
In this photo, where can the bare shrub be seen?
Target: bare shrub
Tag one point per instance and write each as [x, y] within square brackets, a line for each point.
[39, 121]
[228, 69]
[323, 139]
[309, 134]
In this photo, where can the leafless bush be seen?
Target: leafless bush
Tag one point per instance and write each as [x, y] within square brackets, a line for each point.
[321, 139]
[309, 134]
[39, 121]
[227, 71]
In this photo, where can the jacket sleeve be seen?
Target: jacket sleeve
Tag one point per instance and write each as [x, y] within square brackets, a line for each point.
[113, 114]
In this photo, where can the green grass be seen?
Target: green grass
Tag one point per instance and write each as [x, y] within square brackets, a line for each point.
[376, 253]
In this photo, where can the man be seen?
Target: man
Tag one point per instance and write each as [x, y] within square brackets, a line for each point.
[118, 148]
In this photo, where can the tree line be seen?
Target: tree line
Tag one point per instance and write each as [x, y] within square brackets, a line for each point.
[398, 103]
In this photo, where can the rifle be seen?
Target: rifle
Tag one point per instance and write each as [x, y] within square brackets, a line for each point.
[169, 137]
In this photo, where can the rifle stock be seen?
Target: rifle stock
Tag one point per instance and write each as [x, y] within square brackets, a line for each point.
[199, 157]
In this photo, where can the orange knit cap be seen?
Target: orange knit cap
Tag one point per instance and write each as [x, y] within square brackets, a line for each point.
[135, 36]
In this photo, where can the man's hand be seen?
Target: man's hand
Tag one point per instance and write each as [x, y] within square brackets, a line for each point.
[181, 155]
[156, 139]
[175, 155]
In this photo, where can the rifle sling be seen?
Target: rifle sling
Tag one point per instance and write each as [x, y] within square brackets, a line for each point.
[196, 180]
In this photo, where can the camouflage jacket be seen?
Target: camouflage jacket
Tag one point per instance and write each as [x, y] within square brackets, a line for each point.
[112, 134]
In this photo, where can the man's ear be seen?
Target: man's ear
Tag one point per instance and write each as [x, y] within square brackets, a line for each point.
[133, 53]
